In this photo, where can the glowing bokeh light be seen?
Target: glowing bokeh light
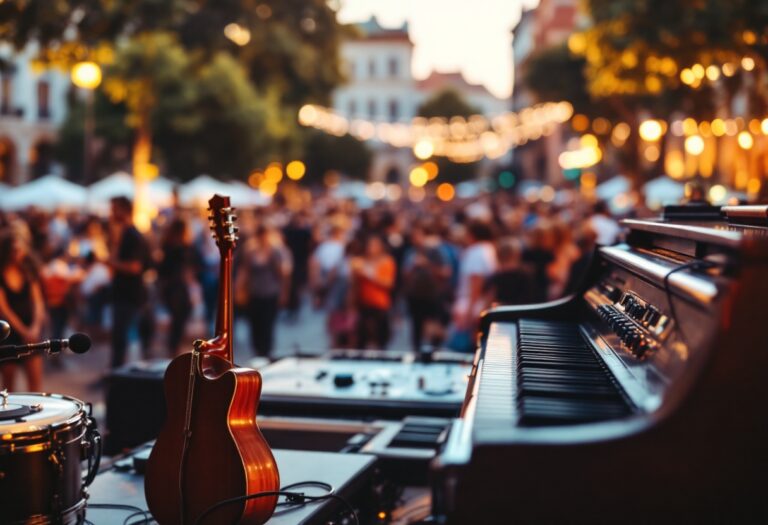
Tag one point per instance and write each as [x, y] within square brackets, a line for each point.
[418, 176]
[86, 75]
[445, 192]
[423, 149]
[650, 130]
[295, 170]
[745, 140]
[694, 145]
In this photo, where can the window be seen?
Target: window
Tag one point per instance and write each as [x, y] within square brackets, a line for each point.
[352, 108]
[371, 108]
[394, 110]
[43, 99]
[371, 68]
[394, 67]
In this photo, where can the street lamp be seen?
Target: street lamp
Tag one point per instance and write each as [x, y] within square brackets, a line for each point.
[87, 76]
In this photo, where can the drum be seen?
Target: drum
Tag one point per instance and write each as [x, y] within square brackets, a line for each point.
[45, 441]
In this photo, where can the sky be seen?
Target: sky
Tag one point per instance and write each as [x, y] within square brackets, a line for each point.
[473, 36]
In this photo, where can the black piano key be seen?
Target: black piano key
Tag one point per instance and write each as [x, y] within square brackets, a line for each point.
[560, 380]
[566, 389]
[558, 364]
[557, 376]
[543, 410]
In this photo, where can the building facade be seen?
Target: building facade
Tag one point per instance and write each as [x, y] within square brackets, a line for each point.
[380, 87]
[32, 107]
[549, 24]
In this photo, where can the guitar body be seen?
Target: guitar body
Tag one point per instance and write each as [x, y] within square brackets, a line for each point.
[226, 455]
[210, 449]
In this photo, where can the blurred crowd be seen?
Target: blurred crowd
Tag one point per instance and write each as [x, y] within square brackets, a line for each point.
[433, 265]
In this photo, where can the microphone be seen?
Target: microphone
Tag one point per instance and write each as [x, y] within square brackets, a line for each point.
[77, 343]
[5, 330]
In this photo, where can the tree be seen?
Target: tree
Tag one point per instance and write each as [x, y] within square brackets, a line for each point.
[640, 48]
[446, 103]
[324, 152]
[288, 51]
[205, 117]
[449, 103]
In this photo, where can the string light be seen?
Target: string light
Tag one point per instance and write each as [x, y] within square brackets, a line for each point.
[423, 149]
[460, 139]
[745, 140]
[650, 130]
[694, 145]
[748, 63]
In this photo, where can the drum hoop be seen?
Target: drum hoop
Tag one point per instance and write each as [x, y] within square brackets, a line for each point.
[60, 518]
[12, 447]
[41, 435]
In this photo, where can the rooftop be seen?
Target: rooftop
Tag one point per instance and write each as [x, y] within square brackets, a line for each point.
[371, 29]
[454, 79]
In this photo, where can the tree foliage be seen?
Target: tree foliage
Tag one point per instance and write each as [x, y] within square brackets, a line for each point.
[640, 47]
[216, 104]
[446, 103]
[325, 153]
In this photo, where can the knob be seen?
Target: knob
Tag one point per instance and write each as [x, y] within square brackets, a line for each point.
[653, 316]
[625, 300]
[641, 347]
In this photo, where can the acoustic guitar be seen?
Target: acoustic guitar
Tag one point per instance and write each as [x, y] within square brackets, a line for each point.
[210, 448]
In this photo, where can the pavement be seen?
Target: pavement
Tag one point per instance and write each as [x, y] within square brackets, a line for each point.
[82, 376]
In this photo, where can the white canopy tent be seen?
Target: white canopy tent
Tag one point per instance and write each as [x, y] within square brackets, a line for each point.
[160, 191]
[662, 191]
[198, 191]
[49, 193]
[613, 187]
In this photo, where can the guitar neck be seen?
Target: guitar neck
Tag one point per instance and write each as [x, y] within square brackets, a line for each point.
[222, 222]
[224, 315]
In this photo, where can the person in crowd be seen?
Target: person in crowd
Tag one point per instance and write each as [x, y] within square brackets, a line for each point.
[326, 264]
[586, 242]
[538, 255]
[264, 275]
[605, 226]
[374, 275]
[298, 239]
[90, 247]
[22, 305]
[128, 261]
[511, 283]
[565, 254]
[426, 273]
[477, 263]
[94, 291]
[340, 302]
[58, 280]
[208, 272]
[59, 232]
[175, 274]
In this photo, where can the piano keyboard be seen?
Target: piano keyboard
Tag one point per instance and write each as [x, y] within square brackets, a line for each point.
[553, 377]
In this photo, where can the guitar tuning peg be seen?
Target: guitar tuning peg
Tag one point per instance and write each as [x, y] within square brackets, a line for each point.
[235, 229]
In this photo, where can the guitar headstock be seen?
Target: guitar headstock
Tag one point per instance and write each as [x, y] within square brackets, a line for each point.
[222, 221]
